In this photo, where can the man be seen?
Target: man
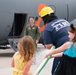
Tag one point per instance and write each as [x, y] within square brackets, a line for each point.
[33, 31]
[55, 32]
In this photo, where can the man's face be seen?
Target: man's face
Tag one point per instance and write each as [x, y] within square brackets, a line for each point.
[31, 21]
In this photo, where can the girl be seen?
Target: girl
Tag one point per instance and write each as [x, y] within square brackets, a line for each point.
[22, 59]
[67, 64]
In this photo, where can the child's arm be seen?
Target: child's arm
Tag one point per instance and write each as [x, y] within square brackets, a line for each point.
[12, 62]
[59, 49]
[57, 55]
[27, 67]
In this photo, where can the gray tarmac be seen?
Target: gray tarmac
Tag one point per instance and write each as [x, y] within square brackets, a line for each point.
[6, 55]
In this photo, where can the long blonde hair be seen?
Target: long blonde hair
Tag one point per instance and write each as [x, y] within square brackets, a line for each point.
[26, 47]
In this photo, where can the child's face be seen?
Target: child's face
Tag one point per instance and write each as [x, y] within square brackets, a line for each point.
[71, 35]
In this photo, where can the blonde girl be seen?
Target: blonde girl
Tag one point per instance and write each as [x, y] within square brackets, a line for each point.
[22, 59]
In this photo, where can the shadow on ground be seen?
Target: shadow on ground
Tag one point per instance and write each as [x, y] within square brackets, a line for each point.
[6, 54]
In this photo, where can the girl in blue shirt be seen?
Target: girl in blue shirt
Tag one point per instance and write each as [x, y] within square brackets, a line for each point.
[67, 64]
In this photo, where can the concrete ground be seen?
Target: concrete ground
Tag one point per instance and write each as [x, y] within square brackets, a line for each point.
[6, 55]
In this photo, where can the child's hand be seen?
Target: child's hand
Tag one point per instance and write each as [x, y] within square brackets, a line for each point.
[46, 56]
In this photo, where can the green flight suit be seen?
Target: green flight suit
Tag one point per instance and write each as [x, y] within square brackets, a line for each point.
[33, 31]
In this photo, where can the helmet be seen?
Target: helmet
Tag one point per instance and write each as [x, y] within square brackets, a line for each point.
[45, 10]
[40, 7]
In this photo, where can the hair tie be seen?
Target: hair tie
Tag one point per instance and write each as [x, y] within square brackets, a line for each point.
[72, 26]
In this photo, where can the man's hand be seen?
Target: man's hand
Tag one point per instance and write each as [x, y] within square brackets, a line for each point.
[37, 41]
[48, 46]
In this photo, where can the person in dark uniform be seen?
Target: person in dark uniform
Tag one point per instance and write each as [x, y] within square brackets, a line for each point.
[55, 32]
[33, 31]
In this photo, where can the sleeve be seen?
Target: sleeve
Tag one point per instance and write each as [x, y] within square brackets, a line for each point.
[26, 30]
[15, 54]
[38, 33]
[47, 38]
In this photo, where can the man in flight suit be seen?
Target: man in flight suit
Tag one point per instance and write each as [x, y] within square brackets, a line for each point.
[33, 31]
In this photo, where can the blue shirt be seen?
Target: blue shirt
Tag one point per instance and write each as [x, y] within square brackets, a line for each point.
[56, 33]
[70, 51]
